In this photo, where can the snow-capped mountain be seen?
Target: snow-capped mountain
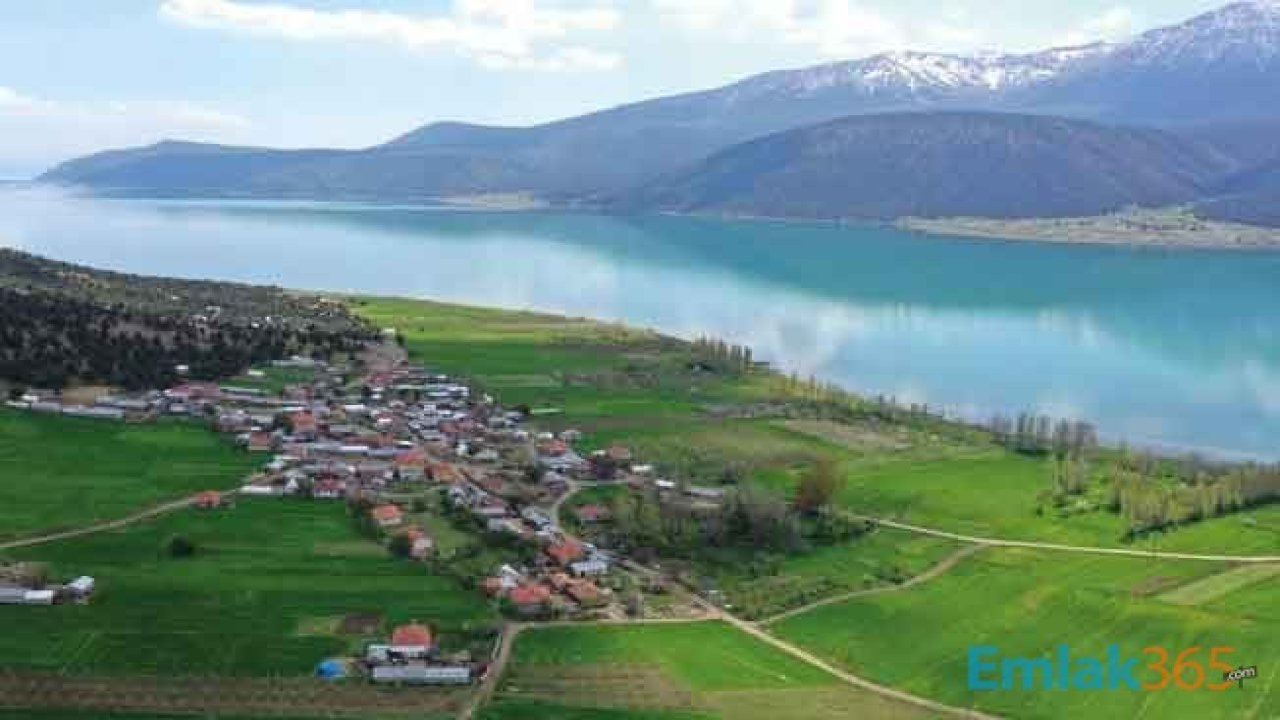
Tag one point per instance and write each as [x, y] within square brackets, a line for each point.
[1239, 39]
[1247, 32]
[920, 73]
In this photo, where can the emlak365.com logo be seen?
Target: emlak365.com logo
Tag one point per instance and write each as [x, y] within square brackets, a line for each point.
[1193, 668]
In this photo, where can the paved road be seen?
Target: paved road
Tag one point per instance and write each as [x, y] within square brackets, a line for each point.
[940, 569]
[996, 542]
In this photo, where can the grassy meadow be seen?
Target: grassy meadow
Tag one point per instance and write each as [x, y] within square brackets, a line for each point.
[58, 473]
[634, 386]
[674, 671]
[1027, 603]
[264, 595]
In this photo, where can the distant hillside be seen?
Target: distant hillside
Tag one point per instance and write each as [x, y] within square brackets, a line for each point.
[1223, 65]
[941, 164]
[61, 323]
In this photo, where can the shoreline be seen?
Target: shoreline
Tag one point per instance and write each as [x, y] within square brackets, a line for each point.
[1170, 229]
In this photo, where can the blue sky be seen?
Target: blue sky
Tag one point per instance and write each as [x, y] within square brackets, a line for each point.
[82, 75]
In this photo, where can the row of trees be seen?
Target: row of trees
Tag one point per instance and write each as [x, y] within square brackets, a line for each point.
[1042, 435]
[1152, 493]
[722, 357]
[49, 340]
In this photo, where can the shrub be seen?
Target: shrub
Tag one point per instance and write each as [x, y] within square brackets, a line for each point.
[179, 546]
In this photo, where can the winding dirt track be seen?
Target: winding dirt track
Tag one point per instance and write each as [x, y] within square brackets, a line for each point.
[99, 527]
[941, 568]
[1127, 552]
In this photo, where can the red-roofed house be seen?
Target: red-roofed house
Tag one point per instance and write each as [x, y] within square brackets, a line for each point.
[446, 473]
[261, 441]
[387, 515]
[566, 552]
[530, 599]
[208, 500]
[585, 593]
[328, 489]
[304, 424]
[412, 641]
[592, 513]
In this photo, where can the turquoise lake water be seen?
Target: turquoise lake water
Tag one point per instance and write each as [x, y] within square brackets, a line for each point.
[1179, 349]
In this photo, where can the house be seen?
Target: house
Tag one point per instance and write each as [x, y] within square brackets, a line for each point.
[260, 441]
[704, 493]
[304, 425]
[530, 599]
[412, 641]
[208, 500]
[593, 567]
[422, 674]
[619, 453]
[537, 517]
[80, 588]
[566, 552]
[490, 507]
[585, 593]
[387, 516]
[328, 489]
[445, 473]
[420, 544]
[592, 513]
[38, 597]
[555, 482]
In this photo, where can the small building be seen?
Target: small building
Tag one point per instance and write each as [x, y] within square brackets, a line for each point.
[412, 642]
[592, 513]
[537, 517]
[566, 552]
[38, 597]
[422, 674]
[328, 489]
[585, 593]
[387, 516]
[529, 600]
[594, 567]
[81, 588]
[208, 500]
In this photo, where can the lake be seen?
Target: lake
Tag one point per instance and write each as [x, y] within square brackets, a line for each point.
[1175, 349]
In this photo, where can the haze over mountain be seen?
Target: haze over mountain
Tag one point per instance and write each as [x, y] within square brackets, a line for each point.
[1218, 67]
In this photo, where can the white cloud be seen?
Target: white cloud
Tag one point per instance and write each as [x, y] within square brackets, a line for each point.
[12, 101]
[832, 28]
[1116, 23]
[502, 34]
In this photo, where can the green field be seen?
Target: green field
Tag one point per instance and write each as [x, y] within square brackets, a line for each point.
[255, 600]
[707, 668]
[1027, 603]
[879, 559]
[635, 387]
[58, 472]
[274, 379]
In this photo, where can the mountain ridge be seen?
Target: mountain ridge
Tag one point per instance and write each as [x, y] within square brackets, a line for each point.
[1219, 66]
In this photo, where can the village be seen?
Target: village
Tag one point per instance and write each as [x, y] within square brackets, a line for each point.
[393, 441]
